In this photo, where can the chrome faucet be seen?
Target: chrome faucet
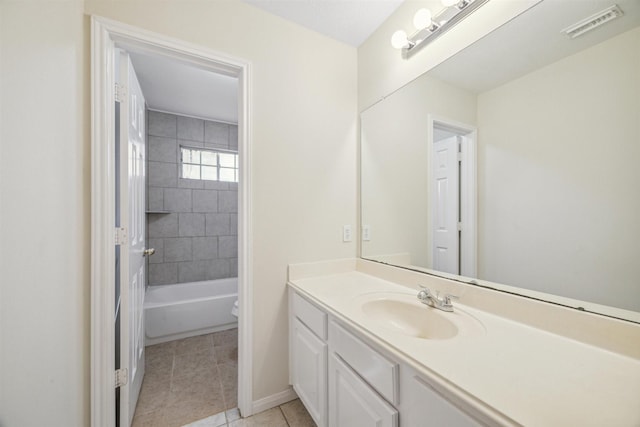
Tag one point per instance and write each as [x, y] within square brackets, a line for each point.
[426, 297]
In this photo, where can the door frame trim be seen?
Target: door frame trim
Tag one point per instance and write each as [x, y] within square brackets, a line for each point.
[105, 36]
[468, 190]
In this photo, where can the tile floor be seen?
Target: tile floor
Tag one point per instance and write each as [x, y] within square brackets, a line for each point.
[189, 379]
[194, 382]
[291, 414]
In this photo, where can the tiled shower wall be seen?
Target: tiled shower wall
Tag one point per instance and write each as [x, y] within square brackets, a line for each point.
[197, 239]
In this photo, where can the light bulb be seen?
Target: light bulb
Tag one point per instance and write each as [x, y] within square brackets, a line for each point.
[399, 39]
[448, 3]
[422, 19]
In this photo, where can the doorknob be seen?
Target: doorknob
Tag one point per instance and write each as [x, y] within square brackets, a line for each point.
[148, 252]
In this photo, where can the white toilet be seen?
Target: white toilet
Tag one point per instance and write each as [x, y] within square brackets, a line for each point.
[234, 310]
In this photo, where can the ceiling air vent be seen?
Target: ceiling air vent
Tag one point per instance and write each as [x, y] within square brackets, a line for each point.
[593, 22]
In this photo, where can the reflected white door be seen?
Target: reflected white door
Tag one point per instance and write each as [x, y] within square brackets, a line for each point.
[446, 209]
[132, 205]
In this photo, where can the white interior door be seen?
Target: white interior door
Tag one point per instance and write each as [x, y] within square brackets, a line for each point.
[446, 205]
[132, 210]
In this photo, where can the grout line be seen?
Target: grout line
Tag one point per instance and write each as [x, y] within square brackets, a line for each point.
[284, 416]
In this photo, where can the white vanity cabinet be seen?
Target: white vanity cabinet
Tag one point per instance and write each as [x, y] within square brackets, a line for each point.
[422, 405]
[308, 356]
[344, 381]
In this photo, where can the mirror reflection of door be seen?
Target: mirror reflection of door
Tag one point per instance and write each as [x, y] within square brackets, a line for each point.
[453, 198]
[446, 205]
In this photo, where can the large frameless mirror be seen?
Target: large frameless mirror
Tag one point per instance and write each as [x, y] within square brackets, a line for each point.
[513, 165]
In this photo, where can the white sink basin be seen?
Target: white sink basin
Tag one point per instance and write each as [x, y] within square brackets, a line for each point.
[404, 314]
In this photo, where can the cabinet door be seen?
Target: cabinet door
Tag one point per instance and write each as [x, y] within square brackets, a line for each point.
[424, 406]
[352, 403]
[309, 373]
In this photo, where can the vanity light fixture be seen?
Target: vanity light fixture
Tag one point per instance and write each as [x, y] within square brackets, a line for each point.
[429, 26]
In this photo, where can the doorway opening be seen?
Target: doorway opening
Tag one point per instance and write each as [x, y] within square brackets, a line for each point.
[171, 177]
[453, 196]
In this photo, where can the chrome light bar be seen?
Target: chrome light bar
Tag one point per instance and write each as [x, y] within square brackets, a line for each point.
[446, 19]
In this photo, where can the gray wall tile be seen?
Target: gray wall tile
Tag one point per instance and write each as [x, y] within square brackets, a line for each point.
[218, 269]
[163, 174]
[216, 133]
[233, 267]
[217, 224]
[205, 248]
[233, 224]
[190, 129]
[233, 137]
[187, 240]
[228, 201]
[162, 225]
[162, 124]
[192, 271]
[228, 246]
[158, 245]
[163, 274]
[177, 199]
[191, 183]
[216, 185]
[205, 201]
[155, 196]
[191, 225]
[162, 149]
[178, 249]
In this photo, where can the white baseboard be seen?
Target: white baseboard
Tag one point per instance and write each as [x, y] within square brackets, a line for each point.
[274, 400]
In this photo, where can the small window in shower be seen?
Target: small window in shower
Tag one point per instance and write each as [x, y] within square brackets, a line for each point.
[209, 165]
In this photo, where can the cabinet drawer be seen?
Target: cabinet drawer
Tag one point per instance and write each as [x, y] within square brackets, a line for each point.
[314, 318]
[374, 368]
[353, 403]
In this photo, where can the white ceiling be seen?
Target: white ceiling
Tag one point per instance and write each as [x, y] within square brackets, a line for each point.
[183, 89]
[349, 21]
[531, 41]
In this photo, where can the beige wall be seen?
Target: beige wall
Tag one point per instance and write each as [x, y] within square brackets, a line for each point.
[44, 226]
[382, 69]
[569, 133]
[304, 182]
[394, 167]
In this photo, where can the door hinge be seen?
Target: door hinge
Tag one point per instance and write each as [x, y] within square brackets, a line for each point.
[122, 377]
[121, 236]
[459, 226]
[459, 156]
[120, 92]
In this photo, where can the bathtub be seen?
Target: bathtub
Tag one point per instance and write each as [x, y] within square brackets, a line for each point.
[188, 309]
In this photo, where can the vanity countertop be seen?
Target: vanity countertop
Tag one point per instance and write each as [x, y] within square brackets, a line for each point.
[515, 373]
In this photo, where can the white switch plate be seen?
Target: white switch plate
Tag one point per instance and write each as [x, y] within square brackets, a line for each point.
[366, 233]
[346, 233]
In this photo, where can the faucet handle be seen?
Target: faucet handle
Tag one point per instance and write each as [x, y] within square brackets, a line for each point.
[424, 293]
[424, 289]
[447, 298]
